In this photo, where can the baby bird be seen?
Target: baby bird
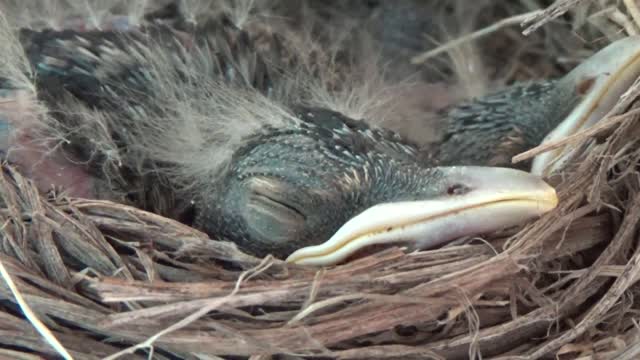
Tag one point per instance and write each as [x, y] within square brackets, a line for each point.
[491, 130]
[195, 121]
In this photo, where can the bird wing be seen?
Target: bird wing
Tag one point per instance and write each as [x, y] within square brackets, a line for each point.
[490, 130]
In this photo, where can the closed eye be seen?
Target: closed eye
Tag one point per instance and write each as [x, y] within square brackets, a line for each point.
[267, 201]
[457, 189]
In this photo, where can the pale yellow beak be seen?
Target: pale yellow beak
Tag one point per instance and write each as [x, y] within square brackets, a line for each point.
[499, 198]
[601, 79]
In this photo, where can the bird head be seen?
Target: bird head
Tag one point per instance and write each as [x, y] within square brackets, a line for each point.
[595, 86]
[318, 192]
[525, 115]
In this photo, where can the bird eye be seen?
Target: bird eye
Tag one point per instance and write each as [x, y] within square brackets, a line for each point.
[273, 210]
[457, 189]
[585, 85]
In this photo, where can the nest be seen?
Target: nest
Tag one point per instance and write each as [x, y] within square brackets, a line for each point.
[94, 279]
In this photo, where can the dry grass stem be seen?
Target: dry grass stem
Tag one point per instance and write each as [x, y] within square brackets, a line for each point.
[513, 20]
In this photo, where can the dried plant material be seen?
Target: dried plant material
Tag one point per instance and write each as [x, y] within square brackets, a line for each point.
[581, 135]
[31, 316]
[555, 10]
[634, 11]
[517, 19]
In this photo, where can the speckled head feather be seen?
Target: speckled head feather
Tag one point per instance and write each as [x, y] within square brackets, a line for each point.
[297, 185]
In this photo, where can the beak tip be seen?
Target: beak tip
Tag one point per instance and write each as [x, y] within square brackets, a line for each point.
[552, 199]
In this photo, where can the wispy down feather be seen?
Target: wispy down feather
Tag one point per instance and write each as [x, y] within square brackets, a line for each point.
[167, 108]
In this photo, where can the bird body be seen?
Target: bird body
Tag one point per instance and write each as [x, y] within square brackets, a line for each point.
[168, 122]
[103, 102]
[491, 130]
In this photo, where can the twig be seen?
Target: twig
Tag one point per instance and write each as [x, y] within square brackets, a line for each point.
[196, 315]
[552, 12]
[31, 316]
[344, 298]
[582, 134]
[622, 20]
[516, 19]
[629, 277]
[633, 10]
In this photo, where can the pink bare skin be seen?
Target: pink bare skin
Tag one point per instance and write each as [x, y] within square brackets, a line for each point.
[46, 166]
[40, 160]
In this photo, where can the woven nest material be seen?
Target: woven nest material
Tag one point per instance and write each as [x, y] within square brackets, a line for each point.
[111, 281]
[105, 277]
